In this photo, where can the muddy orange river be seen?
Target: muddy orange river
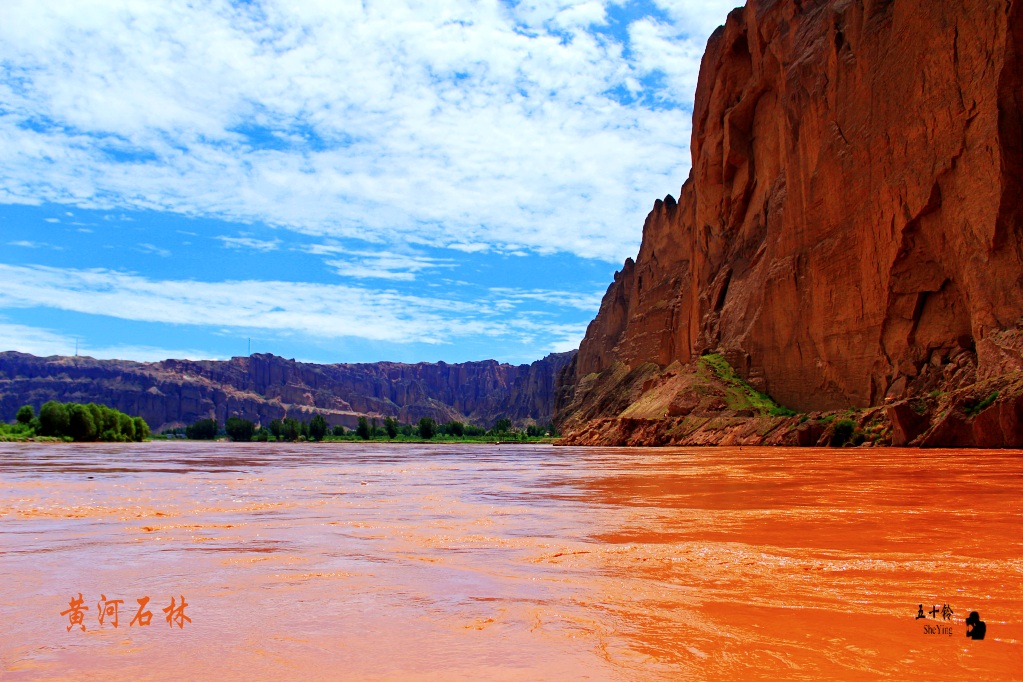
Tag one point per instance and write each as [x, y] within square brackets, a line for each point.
[507, 563]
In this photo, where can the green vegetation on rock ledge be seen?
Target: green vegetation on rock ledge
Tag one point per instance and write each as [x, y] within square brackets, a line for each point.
[742, 396]
[75, 422]
[982, 405]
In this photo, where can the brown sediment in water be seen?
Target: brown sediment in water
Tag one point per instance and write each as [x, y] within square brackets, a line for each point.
[315, 562]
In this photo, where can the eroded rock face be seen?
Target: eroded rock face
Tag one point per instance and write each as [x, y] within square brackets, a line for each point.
[266, 387]
[851, 228]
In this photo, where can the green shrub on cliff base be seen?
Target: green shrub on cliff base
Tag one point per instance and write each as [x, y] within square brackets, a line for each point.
[842, 432]
[982, 405]
[742, 396]
[77, 422]
[845, 432]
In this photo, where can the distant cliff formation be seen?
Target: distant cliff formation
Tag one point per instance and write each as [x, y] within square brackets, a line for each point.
[265, 387]
[851, 233]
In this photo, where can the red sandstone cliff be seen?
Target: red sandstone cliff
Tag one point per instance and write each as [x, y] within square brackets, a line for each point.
[852, 228]
[266, 387]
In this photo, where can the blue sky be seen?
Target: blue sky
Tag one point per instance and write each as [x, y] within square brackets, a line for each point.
[332, 181]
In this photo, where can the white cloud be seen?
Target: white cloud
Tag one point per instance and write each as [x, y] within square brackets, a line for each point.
[386, 265]
[658, 49]
[566, 299]
[283, 308]
[45, 342]
[469, 248]
[567, 339]
[449, 122]
[25, 244]
[698, 18]
[144, 353]
[318, 310]
[153, 249]
[34, 340]
[250, 243]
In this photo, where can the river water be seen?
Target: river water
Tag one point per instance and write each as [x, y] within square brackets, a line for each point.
[492, 562]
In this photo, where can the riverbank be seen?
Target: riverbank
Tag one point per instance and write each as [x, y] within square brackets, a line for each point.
[705, 403]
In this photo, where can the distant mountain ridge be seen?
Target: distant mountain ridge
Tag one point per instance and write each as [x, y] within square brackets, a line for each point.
[263, 387]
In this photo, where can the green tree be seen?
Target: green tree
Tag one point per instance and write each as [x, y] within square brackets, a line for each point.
[318, 427]
[239, 430]
[25, 414]
[455, 429]
[204, 429]
[53, 419]
[84, 423]
[503, 425]
[142, 431]
[362, 430]
[111, 430]
[81, 425]
[276, 428]
[391, 427]
[126, 427]
[97, 417]
[427, 428]
[339, 431]
[291, 430]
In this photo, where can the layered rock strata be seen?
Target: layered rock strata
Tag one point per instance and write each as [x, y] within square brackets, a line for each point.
[851, 232]
[265, 387]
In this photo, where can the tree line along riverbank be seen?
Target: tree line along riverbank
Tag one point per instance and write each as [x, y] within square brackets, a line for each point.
[316, 429]
[91, 422]
[74, 422]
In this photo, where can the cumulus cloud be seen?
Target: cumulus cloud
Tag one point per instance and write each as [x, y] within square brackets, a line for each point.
[659, 50]
[697, 19]
[453, 122]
